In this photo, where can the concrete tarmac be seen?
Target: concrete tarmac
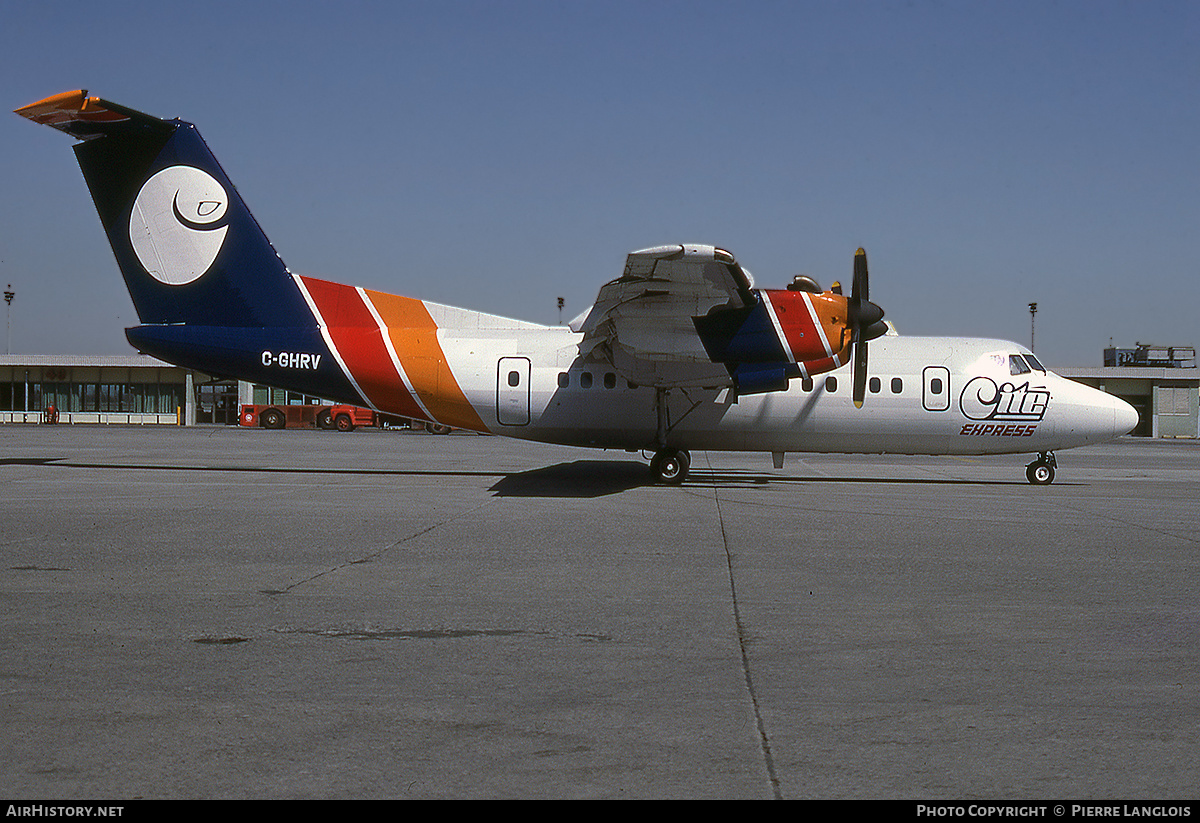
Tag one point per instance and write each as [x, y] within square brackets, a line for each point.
[229, 613]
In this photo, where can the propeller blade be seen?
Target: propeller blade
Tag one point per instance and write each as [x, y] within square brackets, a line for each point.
[860, 368]
[865, 319]
[860, 289]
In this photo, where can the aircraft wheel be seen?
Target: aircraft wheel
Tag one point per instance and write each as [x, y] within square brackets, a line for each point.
[1040, 473]
[271, 419]
[343, 423]
[437, 428]
[670, 466]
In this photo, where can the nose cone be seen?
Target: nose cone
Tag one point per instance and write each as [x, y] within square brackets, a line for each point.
[1115, 417]
[1090, 415]
[1125, 417]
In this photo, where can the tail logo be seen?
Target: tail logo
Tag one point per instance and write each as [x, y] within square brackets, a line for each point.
[178, 225]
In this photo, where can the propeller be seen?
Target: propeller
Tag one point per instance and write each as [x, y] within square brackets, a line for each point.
[866, 323]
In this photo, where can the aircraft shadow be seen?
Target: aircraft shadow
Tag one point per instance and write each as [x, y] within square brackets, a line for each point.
[599, 478]
[66, 463]
[578, 479]
[581, 478]
[730, 478]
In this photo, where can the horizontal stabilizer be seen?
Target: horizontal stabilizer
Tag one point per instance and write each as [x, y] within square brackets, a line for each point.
[86, 118]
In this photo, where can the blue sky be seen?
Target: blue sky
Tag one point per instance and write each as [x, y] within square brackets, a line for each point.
[498, 155]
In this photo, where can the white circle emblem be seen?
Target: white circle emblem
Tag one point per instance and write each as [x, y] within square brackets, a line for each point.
[177, 225]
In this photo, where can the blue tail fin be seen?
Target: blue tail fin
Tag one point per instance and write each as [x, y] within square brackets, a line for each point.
[209, 289]
[188, 247]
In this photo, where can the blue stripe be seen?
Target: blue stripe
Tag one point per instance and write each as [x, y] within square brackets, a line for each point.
[741, 336]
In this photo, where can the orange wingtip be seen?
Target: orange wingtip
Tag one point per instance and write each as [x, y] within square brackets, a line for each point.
[68, 107]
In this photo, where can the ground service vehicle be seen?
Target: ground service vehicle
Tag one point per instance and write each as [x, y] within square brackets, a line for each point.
[341, 417]
[306, 416]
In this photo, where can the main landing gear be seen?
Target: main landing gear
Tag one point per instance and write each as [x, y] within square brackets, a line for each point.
[670, 465]
[1041, 471]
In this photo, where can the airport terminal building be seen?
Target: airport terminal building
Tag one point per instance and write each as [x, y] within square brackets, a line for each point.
[93, 389]
[140, 390]
[123, 390]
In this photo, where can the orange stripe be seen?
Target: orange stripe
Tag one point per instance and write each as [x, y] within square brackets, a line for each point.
[358, 342]
[832, 309]
[414, 336]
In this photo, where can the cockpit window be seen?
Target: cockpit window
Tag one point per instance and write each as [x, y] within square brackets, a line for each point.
[1033, 361]
[1017, 365]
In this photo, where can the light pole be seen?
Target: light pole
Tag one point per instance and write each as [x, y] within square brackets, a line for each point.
[561, 303]
[1032, 312]
[9, 294]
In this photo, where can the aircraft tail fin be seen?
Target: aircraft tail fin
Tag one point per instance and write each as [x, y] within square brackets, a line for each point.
[189, 249]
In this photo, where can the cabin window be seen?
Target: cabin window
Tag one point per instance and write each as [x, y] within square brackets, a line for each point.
[831, 384]
[1016, 365]
[514, 378]
[897, 385]
[874, 385]
[610, 380]
[564, 380]
[806, 384]
[630, 384]
[935, 385]
[585, 380]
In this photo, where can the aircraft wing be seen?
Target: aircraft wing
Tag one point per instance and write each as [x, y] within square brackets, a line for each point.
[643, 322]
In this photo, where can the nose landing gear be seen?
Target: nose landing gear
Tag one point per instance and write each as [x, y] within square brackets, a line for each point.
[1041, 471]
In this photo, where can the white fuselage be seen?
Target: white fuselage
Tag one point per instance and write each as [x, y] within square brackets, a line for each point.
[927, 395]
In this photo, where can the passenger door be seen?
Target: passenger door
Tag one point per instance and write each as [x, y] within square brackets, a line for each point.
[935, 389]
[512, 391]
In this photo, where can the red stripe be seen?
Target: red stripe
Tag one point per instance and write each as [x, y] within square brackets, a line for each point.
[359, 343]
[802, 335]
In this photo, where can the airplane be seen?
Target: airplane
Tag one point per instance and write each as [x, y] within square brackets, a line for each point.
[680, 352]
